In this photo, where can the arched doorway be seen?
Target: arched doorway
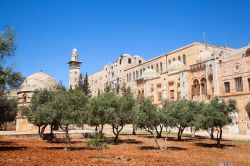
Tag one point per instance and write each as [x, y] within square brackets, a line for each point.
[195, 88]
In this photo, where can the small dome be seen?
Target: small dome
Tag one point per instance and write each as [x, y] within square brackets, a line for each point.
[176, 66]
[204, 56]
[39, 81]
[149, 74]
[74, 50]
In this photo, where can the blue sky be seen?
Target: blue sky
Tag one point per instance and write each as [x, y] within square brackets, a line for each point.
[101, 30]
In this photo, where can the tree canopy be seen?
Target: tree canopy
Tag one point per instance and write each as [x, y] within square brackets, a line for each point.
[8, 110]
[8, 78]
[215, 115]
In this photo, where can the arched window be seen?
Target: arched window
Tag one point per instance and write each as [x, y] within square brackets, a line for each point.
[203, 86]
[196, 88]
[24, 98]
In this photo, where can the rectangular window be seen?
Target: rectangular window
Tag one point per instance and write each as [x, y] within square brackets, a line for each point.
[159, 96]
[137, 74]
[248, 83]
[184, 59]
[227, 87]
[129, 60]
[161, 66]
[157, 67]
[171, 94]
[238, 84]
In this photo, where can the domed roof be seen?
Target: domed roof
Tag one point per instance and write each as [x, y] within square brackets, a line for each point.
[74, 50]
[204, 56]
[176, 66]
[39, 81]
[149, 74]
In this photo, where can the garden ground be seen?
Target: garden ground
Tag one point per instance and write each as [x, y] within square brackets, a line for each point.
[131, 150]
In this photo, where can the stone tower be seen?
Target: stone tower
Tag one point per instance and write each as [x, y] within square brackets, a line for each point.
[74, 70]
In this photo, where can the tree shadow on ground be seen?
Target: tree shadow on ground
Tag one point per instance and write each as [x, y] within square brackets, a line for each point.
[209, 145]
[72, 148]
[12, 148]
[174, 148]
[148, 148]
[187, 139]
[62, 141]
[126, 141]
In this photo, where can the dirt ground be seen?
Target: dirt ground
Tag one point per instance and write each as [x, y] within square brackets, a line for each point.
[131, 150]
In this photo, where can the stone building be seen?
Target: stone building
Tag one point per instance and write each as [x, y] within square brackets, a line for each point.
[42, 81]
[113, 74]
[37, 81]
[196, 72]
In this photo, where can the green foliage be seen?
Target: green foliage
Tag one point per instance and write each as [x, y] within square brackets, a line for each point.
[148, 117]
[61, 108]
[8, 110]
[146, 113]
[180, 114]
[97, 142]
[7, 43]
[216, 115]
[120, 113]
[40, 111]
[70, 108]
[70, 105]
[84, 85]
[99, 107]
[8, 78]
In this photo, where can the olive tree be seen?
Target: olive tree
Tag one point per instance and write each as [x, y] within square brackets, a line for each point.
[40, 111]
[69, 107]
[8, 78]
[120, 113]
[216, 115]
[98, 110]
[180, 114]
[148, 117]
[8, 110]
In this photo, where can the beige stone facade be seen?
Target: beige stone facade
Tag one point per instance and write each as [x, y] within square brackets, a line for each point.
[197, 72]
[113, 74]
[37, 81]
